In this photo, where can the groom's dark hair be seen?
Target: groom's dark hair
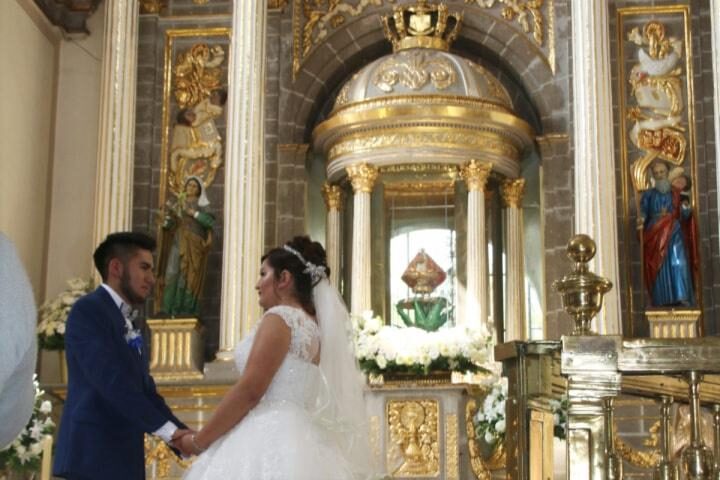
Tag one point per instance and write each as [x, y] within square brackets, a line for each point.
[121, 245]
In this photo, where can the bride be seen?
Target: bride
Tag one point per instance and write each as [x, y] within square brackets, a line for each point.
[297, 411]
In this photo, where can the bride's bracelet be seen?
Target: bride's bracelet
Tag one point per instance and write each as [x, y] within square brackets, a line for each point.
[195, 446]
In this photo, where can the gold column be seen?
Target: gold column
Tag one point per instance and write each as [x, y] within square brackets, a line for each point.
[512, 192]
[114, 178]
[332, 194]
[244, 175]
[475, 174]
[362, 177]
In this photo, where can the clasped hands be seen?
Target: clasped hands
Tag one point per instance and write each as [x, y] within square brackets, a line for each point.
[182, 440]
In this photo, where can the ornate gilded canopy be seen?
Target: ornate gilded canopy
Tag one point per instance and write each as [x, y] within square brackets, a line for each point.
[422, 104]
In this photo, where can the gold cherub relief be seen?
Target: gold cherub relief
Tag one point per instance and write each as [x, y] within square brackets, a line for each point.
[656, 86]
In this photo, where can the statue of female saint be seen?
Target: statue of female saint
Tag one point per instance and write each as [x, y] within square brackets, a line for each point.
[669, 238]
[186, 239]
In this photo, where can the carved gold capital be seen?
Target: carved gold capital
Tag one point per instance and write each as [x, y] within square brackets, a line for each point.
[512, 191]
[152, 6]
[332, 194]
[475, 174]
[362, 177]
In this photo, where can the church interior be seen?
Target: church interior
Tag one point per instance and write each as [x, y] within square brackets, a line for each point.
[518, 200]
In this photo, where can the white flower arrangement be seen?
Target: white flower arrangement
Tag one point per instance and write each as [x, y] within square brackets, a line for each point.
[490, 418]
[489, 421]
[53, 313]
[25, 452]
[382, 348]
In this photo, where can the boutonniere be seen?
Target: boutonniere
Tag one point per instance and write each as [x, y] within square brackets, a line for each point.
[133, 338]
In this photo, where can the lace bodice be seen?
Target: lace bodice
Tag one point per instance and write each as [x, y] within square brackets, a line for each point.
[297, 379]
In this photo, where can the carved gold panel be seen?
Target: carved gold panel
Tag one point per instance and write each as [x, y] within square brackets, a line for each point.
[659, 168]
[452, 448]
[195, 65]
[413, 428]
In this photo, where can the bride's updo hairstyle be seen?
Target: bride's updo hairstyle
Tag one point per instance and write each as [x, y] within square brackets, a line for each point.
[281, 259]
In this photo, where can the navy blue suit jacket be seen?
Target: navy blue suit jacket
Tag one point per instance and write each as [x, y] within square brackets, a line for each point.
[111, 401]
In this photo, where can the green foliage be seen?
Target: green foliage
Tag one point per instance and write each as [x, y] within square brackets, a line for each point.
[428, 314]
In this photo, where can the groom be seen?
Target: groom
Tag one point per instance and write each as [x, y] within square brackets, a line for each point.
[111, 400]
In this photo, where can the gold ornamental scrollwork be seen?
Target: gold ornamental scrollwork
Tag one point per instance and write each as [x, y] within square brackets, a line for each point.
[332, 194]
[527, 13]
[414, 69]
[197, 73]
[532, 20]
[512, 191]
[475, 174]
[414, 438]
[312, 20]
[656, 86]
[362, 177]
[647, 459]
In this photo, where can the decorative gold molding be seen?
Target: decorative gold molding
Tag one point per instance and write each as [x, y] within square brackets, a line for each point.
[332, 194]
[476, 173]
[452, 449]
[362, 177]
[419, 188]
[481, 106]
[421, 168]
[673, 323]
[460, 139]
[512, 191]
[413, 438]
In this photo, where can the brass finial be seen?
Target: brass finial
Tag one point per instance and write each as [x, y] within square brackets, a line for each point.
[581, 290]
[422, 25]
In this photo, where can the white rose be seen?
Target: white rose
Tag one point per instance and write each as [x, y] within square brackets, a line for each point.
[489, 437]
[381, 361]
[36, 448]
[500, 426]
[46, 407]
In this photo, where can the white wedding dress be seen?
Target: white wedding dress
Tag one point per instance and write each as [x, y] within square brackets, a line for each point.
[279, 439]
